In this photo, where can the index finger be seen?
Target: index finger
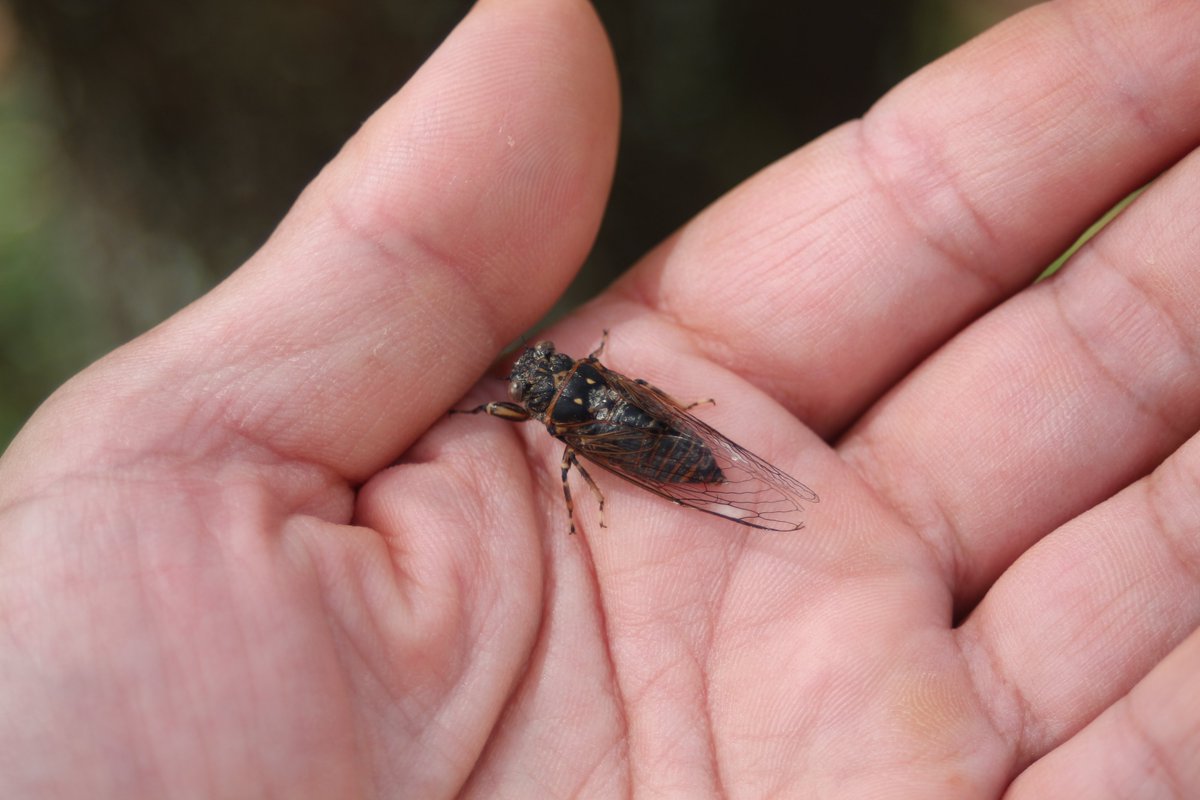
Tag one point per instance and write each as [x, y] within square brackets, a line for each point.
[833, 272]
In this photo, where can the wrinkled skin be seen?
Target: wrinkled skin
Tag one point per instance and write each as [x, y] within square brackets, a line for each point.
[249, 554]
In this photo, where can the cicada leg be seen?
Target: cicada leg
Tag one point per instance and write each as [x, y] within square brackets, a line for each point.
[570, 460]
[509, 411]
[708, 401]
[686, 407]
[600, 347]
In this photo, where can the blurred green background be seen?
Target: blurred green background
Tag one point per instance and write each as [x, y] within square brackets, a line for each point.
[147, 148]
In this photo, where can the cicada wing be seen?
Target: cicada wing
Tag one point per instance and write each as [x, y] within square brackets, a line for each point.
[749, 490]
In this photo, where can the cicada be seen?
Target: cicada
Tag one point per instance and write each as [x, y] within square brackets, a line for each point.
[640, 433]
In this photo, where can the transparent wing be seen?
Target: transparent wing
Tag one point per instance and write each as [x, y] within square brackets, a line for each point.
[748, 490]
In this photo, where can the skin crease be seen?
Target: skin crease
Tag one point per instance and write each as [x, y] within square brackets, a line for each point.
[249, 554]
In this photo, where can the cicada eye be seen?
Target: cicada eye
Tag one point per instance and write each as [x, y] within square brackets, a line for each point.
[516, 391]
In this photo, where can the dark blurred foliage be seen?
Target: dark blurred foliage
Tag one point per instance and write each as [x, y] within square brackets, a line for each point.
[161, 142]
[202, 121]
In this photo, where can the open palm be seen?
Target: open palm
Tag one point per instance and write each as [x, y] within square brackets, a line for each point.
[249, 554]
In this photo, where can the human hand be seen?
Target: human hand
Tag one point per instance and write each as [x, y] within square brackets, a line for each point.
[215, 584]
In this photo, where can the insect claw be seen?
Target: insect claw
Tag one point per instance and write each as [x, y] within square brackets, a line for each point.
[509, 411]
[477, 410]
[600, 348]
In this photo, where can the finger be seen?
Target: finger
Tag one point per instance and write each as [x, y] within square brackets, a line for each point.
[446, 225]
[1146, 746]
[1053, 402]
[834, 271]
[1090, 610]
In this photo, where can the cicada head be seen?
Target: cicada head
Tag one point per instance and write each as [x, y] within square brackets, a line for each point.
[534, 377]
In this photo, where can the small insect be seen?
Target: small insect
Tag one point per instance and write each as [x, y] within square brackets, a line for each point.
[635, 430]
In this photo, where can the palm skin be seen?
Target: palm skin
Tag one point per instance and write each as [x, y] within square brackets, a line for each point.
[249, 554]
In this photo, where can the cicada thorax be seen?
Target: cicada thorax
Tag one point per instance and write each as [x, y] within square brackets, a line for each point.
[597, 410]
